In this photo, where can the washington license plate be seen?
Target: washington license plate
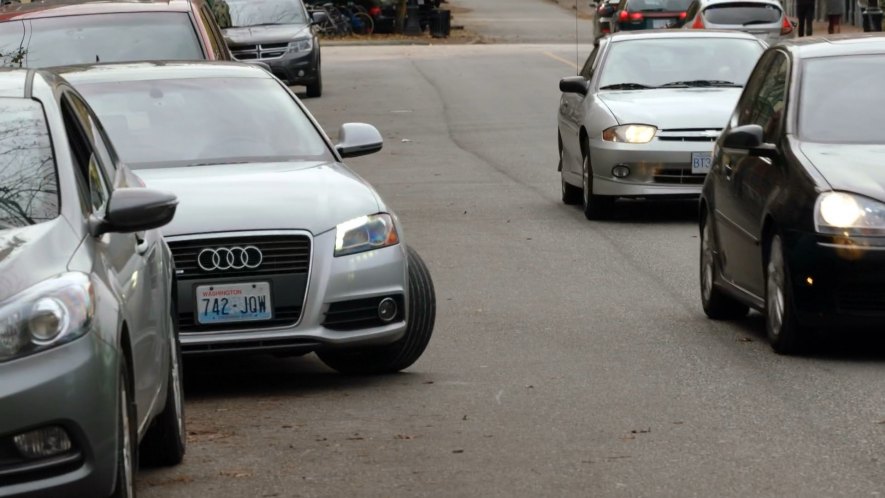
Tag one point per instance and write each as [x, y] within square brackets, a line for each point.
[243, 302]
[700, 162]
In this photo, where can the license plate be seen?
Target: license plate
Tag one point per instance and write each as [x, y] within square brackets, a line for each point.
[700, 162]
[660, 23]
[243, 302]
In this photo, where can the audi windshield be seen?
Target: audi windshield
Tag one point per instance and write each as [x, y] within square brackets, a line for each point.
[194, 122]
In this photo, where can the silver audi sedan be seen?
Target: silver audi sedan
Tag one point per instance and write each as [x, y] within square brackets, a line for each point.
[641, 117]
[278, 246]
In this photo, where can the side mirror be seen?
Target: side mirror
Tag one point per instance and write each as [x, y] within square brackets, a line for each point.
[358, 139]
[748, 138]
[319, 17]
[574, 84]
[135, 210]
[606, 11]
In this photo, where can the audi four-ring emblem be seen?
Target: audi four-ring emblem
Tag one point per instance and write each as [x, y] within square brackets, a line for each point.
[230, 258]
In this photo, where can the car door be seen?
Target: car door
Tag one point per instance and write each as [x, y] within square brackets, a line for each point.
[132, 261]
[571, 117]
[751, 179]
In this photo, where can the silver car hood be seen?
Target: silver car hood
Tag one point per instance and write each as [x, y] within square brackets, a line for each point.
[673, 108]
[31, 254]
[306, 195]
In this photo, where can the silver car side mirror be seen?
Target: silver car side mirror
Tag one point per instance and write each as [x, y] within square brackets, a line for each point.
[358, 139]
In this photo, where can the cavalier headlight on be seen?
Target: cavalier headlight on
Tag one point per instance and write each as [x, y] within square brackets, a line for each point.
[631, 134]
[301, 45]
[365, 233]
[48, 314]
[840, 213]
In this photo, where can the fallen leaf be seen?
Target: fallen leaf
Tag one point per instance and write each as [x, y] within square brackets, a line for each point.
[404, 436]
[745, 339]
[457, 451]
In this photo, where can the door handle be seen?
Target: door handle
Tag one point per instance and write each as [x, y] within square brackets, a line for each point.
[142, 245]
[729, 171]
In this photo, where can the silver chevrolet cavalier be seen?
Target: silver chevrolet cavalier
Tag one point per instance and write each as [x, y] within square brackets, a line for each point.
[278, 246]
[641, 117]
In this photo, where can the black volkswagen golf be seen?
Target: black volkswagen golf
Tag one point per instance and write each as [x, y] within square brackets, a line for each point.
[792, 214]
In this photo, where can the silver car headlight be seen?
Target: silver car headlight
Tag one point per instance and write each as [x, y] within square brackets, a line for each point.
[365, 233]
[630, 133]
[301, 45]
[46, 315]
[840, 213]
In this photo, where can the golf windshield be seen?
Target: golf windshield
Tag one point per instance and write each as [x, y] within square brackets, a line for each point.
[245, 13]
[197, 121]
[838, 102]
[655, 62]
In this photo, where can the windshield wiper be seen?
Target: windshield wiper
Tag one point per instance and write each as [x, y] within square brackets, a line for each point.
[625, 86]
[758, 21]
[261, 24]
[701, 83]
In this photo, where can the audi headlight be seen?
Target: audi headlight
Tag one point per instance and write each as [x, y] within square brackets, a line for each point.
[48, 314]
[365, 234]
[840, 213]
[631, 134]
[301, 45]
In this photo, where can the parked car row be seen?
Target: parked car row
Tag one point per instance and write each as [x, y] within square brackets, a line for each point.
[159, 199]
[774, 142]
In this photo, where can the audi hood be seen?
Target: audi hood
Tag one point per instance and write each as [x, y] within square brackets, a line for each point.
[307, 195]
[673, 108]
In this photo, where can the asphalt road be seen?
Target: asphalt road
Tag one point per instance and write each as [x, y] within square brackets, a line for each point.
[570, 358]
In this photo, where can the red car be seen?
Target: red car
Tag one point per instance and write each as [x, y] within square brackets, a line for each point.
[57, 34]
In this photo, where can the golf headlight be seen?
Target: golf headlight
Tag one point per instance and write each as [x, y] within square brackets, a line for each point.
[839, 213]
[365, 234]
[301, 45]
[631, 134]
[48, 314]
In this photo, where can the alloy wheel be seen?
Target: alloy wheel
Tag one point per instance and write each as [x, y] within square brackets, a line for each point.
[129, 482]
[177, 396]
[707, 262]
[774, 295]
[585, 180]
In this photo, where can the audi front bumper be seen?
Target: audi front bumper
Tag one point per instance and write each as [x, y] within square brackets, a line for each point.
[338, 299]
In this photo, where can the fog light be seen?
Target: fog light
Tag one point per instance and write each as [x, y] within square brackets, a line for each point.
[621, 171]
[42, 443]
[387, 309]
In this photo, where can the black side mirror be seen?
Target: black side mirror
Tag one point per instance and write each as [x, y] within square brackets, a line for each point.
[135, 210]
[358, 139]
[574, 84]
[748, 138]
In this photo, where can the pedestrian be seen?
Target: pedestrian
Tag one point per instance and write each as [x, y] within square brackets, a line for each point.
[805, 11]
[835, 10]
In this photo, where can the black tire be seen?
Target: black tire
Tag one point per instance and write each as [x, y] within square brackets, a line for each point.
[406, 351]
[717, 305]
[166, 441]
[596, 207]
[127, 437]
[784, 332]
[315, 89]
[571, 195]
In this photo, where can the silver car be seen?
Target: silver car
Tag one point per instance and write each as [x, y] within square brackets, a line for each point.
[763, 18]
[88, 355]
[278, 246]
[641, 117]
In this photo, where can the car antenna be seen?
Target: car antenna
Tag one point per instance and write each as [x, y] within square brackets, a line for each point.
[577, 56]
[96, 58]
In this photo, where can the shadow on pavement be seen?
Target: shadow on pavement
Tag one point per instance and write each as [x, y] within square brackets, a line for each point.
[653, 211]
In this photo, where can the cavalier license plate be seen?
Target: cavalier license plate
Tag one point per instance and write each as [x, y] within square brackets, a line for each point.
[700, 162]
[224, 303]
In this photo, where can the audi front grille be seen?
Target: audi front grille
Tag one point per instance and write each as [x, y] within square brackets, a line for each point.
[282, 260]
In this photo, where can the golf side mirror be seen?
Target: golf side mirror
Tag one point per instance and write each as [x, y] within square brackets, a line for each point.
[358, 139]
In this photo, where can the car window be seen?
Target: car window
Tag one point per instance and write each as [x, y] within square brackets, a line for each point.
[742, 14]
[766, 105]
[692, 10]
[91, 178]
[85, 39]
[656, 62]
[28, 177]
[836, 103]
[180, 122]
[215, 39]
[245, 13]
[590, 63]
[657, 5]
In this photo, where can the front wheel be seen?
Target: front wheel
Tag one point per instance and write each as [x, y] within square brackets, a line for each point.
[166, 441]
[596, 207]
[784, 332]
[406, 351]
[315, 89]
[127, 456]
[571, 195]
[717, 305]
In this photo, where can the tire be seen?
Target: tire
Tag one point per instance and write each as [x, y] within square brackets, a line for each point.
[717, 305]
[315, 89]
[406, 351]
[166, 440]
[596, 207]
[127, 437]
[571, 195]
[365, 22]
[784, 332]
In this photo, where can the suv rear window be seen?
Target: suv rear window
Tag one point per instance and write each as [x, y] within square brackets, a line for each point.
[657, 5]
[86, 39]
[28, 179]
[742, 14]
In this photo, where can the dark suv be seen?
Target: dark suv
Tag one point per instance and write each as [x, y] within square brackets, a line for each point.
[648, 14]
[40, 34]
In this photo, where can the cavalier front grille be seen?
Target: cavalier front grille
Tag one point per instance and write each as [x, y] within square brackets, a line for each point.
[678, 176]
[689, 135]
[279, 254]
